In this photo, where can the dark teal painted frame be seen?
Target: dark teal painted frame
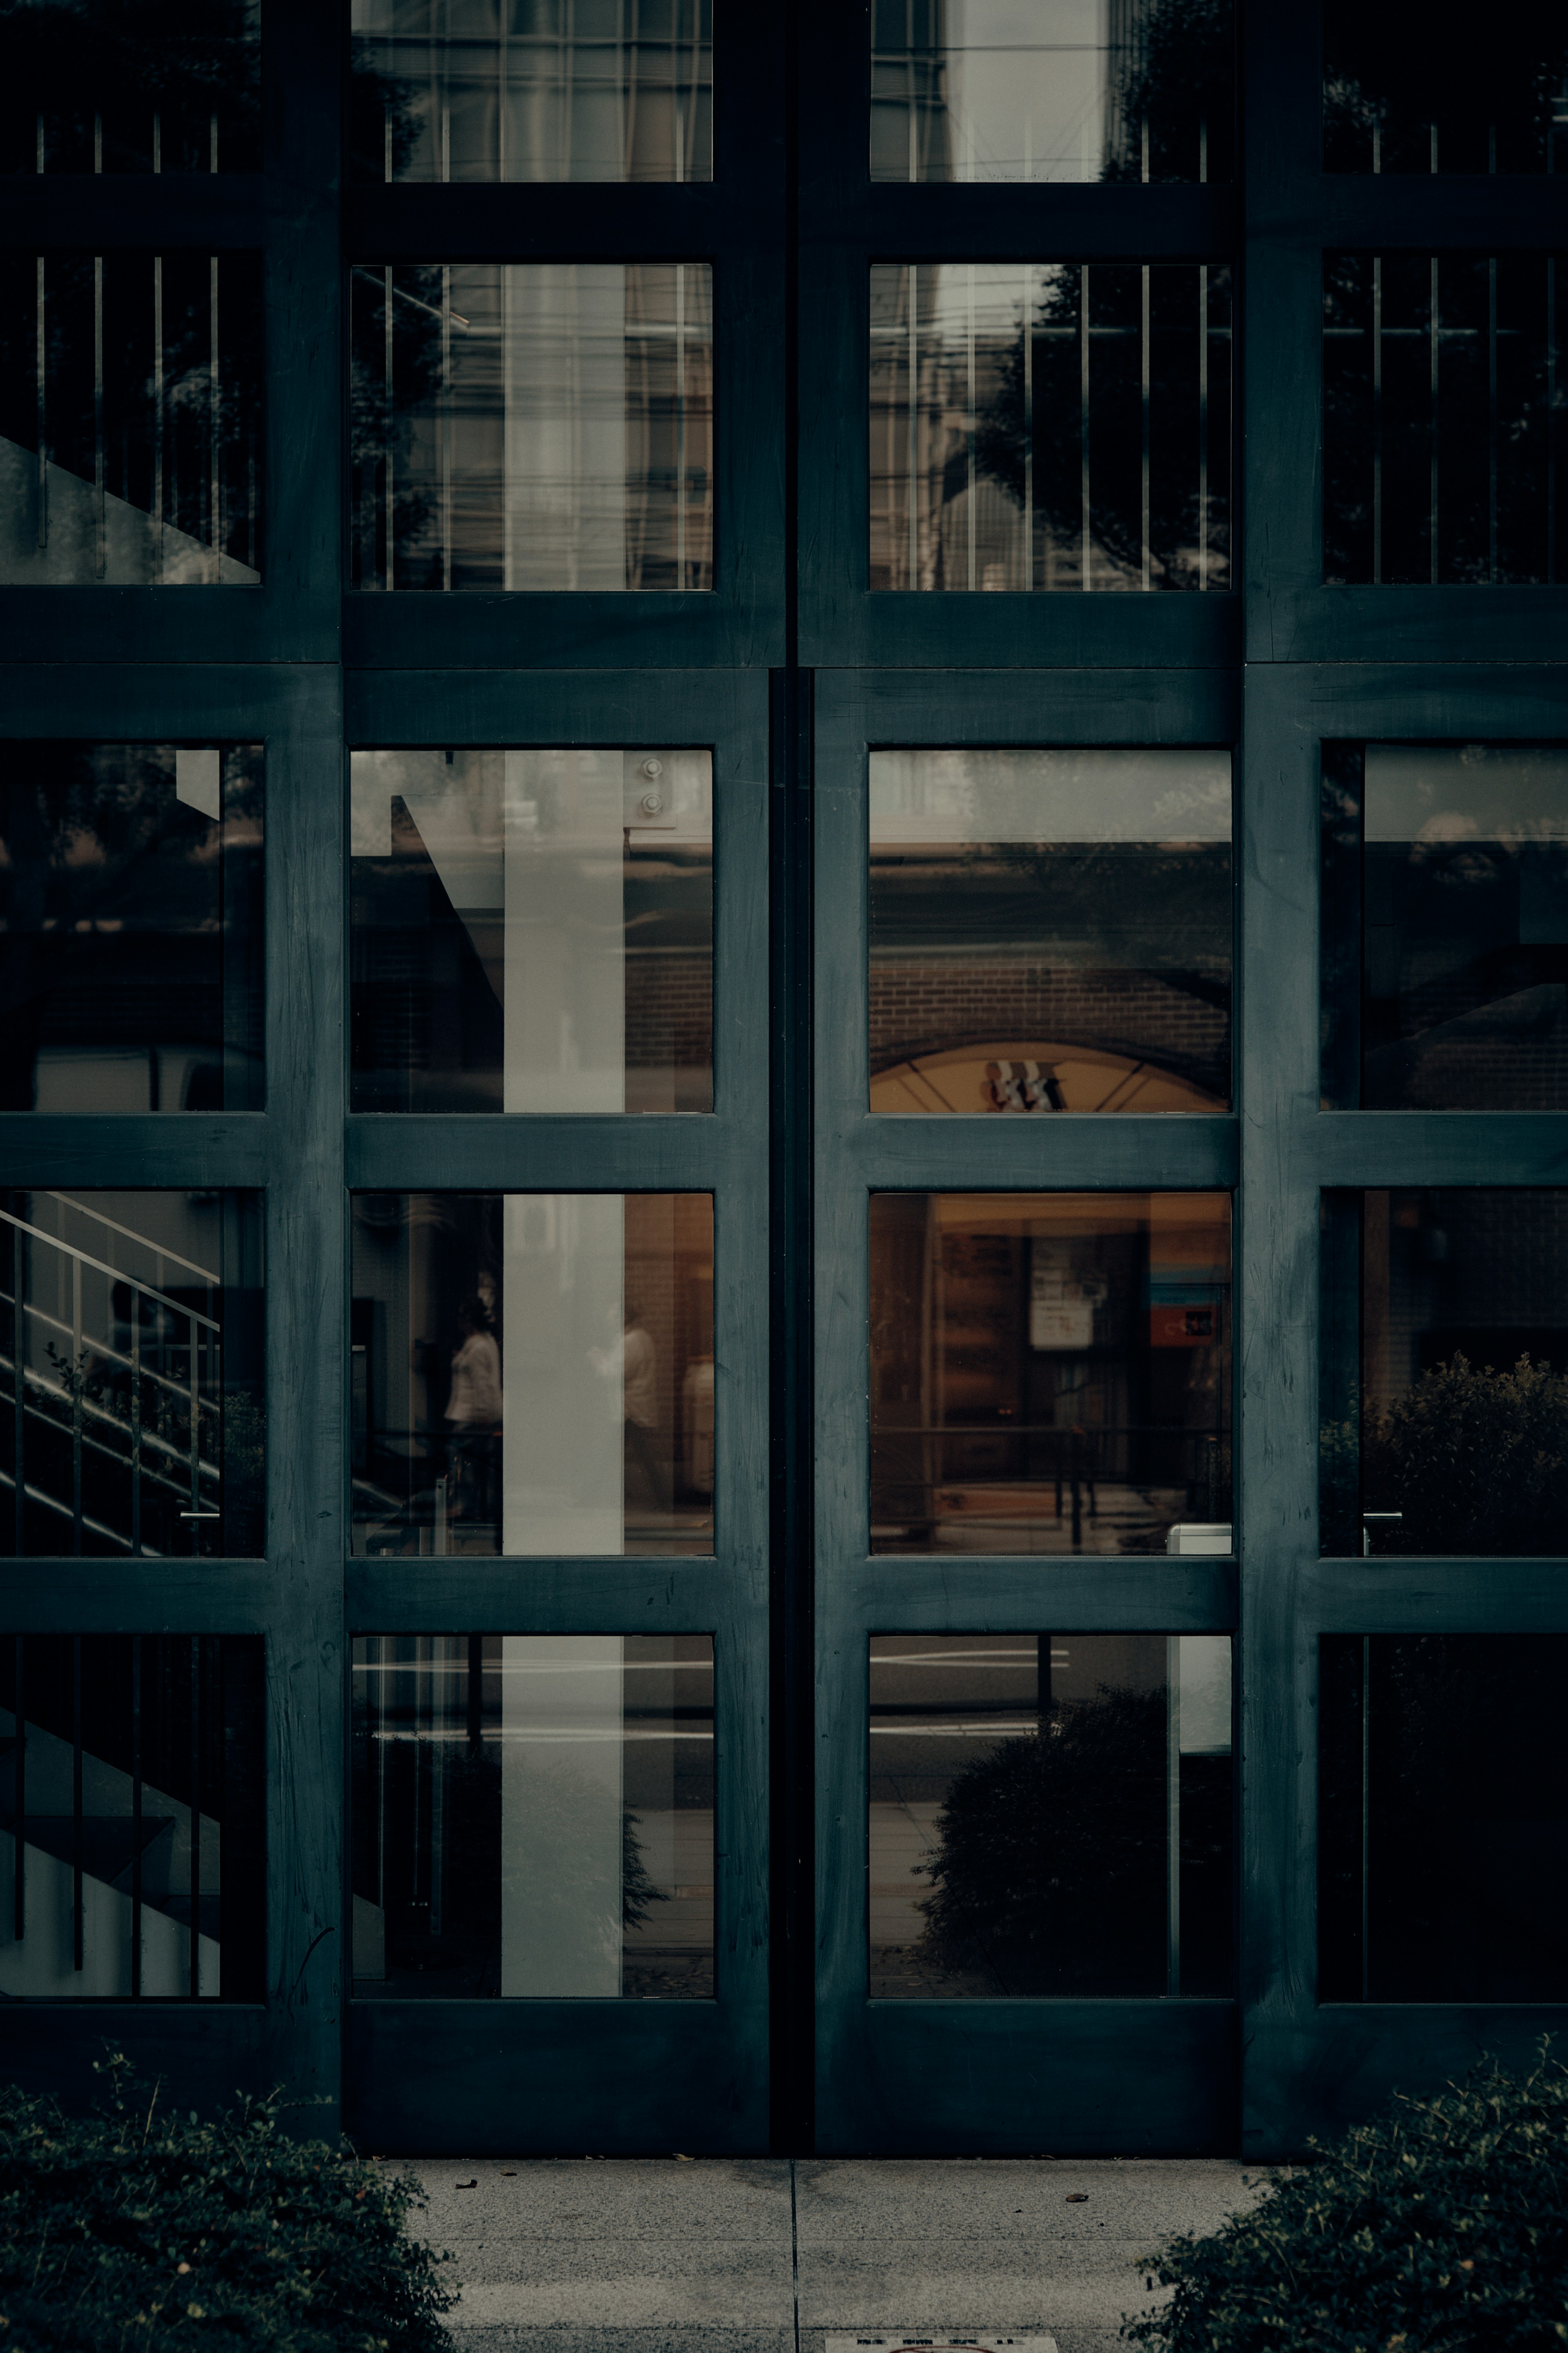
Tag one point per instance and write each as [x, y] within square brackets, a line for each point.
[791, 226]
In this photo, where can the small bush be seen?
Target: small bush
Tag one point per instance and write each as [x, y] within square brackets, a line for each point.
[133, 2228]
[1442, 2225]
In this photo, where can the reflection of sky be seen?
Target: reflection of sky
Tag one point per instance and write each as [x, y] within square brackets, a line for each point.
[1026, 89]
[1057, 796]
[1493, 792]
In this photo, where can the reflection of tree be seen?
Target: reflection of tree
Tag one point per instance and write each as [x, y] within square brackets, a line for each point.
[1050, 1871]
[121, 60]
[1377, 76]
[384, 117]
[1184, 86]
[1131, 441]
[1475, 1460]
[389, 390]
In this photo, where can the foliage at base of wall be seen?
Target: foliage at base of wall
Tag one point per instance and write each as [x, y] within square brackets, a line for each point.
[137, 2228]
[1442, 2225]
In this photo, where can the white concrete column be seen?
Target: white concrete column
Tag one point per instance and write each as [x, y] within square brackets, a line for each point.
[563, 1316]
[562, 1763]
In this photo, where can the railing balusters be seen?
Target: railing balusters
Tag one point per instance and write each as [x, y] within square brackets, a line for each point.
[136, 1421]
[19, 1387]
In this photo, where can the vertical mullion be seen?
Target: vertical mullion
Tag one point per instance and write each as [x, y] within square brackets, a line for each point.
[1491, 419]
[1173, 1815]
[19, 1861]
[445, 422]
[78, 1826]
[388, 429]
[20, 1384]
[195, 1922]
[75, 1388]
[912, 283]
[136, 1817]
[1203, 422]
[1143, 418]
[1551, 411]
[1084, 560]
[40, 381]
[135, 1421]
[215, 497]
[969, 504]
[98, 471]
[1432, 417]
[157, 414]
[1377, 417]
[1365, 1810]
[1028, 358]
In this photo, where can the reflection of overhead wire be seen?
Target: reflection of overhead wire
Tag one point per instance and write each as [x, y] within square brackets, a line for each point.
[403, 295]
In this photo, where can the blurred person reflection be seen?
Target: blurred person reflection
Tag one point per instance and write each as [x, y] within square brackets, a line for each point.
[473, 1417]
[633, 1359]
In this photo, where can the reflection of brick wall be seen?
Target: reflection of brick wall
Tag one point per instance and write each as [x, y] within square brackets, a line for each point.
[921, 1006]
[669, 1009]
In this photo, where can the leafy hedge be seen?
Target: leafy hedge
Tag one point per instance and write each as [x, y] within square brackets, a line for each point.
[134, 2229]
[1442, 2225]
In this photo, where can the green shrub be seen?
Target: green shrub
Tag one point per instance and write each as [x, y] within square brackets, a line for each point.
[135, 2227]
[1442, 2225]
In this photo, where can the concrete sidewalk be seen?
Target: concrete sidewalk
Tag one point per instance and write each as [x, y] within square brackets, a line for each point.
[775, 2255]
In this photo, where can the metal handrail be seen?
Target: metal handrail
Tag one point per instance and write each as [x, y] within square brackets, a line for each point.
[87, 1415]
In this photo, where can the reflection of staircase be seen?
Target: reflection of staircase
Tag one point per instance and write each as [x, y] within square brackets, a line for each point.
[99, 1899]
[90, 534]
[114, 1390]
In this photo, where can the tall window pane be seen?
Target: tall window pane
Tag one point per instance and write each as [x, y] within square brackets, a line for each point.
[131, 883]
[130, 419]
[1050, 1372]
[132, 1850]
[1444, 904]
[532, 425]
[1440, 1761]
[1441, 439]
[1444, 1363]
[1397, 100]
[1050, 425]
[1050, 931]
[1051, 90]
[533, 1373]
[167, 85]
[1049, 1814]
[532, 930]
[533, 1816]
[533, 89]
[134, 1413]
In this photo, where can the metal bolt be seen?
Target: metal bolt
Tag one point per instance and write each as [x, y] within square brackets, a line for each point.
[651, 804]
[653, 767]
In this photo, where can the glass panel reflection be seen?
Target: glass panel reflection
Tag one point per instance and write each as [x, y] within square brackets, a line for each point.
[1440, 456]
[131, 886]
[1442, 1754]
[1445, 927]
[132, 1341]
[533, 1373]
[533, 89]
[1050, 931]
[533, 1816]
[165, 86]
[130, 419]
[1396, 99]
[532, 425]
[1051, 1372]
[1051, 90]
[1050, 1814]
[133, 1834]
[1445, 1372]
[1050, 425]
[532, 930]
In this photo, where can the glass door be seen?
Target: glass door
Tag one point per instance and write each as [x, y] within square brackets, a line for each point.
[1026, 1601]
